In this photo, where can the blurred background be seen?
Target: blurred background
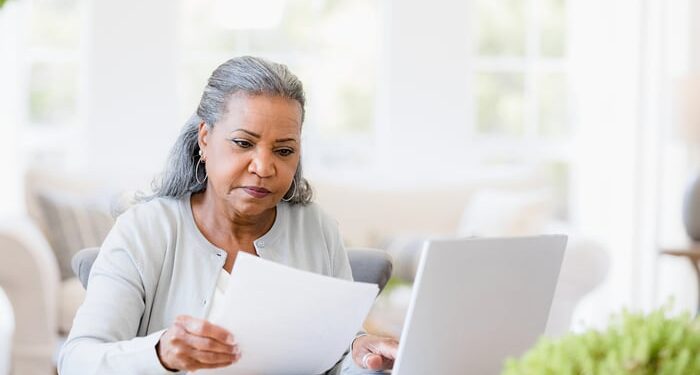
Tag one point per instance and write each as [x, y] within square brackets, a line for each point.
[424, 119]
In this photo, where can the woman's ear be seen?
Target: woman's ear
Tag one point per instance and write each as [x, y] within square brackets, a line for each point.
[203, 135]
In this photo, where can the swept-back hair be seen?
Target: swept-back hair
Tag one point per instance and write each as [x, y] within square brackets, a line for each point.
[247, 74]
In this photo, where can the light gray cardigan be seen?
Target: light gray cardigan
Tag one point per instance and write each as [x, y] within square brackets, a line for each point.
[155, 264]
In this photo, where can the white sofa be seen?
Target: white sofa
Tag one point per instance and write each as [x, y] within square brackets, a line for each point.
[400, 221]
[64, 214]
[29, 277]
[7, 328]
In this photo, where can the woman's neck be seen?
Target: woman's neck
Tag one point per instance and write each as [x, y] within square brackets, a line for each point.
[219, 224]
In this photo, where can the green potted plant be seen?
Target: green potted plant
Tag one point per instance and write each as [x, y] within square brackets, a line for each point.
[635, 344]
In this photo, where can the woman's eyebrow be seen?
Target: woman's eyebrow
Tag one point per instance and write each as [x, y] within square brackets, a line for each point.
[256, 135]
[252, 134]
[282, 140]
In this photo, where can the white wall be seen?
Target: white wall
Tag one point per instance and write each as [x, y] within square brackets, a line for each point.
[129, 86]
[13, 17]
[694, 40]
[675, 276]
[424, 99]
[626, 63]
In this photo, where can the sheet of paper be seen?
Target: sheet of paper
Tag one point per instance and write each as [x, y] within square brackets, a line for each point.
[288, 321]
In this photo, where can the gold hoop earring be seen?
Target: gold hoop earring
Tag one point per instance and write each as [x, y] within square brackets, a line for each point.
[294, 191]
[196, 171]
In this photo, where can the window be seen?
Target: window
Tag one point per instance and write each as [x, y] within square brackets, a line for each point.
[521, 68]
[520, 86]
[319, 40]
[54, 38]
[50, 79]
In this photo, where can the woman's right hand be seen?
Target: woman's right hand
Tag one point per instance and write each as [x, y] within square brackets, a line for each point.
[192, 344]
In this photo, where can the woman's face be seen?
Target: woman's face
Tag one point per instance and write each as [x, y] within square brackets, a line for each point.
[252, 152]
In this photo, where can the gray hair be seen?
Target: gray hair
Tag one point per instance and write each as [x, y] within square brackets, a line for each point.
[247, 74]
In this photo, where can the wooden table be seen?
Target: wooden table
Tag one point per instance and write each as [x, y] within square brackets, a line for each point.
[692, 252]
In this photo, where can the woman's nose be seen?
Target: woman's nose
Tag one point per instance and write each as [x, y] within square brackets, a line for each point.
[262, 164]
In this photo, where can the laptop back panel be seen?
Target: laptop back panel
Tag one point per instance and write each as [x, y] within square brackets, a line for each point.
[476, 302]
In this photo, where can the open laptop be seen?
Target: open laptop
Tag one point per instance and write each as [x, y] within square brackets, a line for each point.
[477, 302]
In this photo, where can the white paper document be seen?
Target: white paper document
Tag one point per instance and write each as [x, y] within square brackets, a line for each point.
[288, 321]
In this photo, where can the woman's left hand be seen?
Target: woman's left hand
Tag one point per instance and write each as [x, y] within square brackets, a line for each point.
[374, 352]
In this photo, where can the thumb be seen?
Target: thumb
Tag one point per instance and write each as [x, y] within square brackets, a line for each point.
[373, 361]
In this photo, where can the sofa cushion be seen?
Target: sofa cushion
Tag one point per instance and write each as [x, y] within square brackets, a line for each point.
[72, 222]
[506, 212]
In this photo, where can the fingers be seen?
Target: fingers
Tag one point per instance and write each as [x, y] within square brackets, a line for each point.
[192, 344]
[203, 328]
[191, 364]
[208, 345]
[376, 362]
[182, 354]
[196, 334]
[387, 347]
[179, 337]
[374, 353]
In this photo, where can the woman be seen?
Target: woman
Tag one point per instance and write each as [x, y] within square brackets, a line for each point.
[233, 183]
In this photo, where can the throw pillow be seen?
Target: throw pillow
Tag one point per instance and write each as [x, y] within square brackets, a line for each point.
[72, 222]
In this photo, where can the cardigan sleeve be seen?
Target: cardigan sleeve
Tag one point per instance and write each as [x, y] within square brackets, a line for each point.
[103, 339]
[340, 264]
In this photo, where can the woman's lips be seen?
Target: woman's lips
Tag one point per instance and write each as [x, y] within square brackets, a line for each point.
[256, 192]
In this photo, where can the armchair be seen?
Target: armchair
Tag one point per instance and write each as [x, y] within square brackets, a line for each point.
[29, 277]
[368, 265]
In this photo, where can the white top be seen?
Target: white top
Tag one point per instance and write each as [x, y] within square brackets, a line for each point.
[217, 300]
[155, 264]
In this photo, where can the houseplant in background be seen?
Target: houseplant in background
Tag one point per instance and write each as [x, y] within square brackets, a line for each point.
[635, 344]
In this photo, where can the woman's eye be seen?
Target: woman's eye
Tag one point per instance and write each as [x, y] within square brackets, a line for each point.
[242, 143]
[285, 152]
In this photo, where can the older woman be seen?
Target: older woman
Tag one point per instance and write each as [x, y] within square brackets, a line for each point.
[233, 183]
